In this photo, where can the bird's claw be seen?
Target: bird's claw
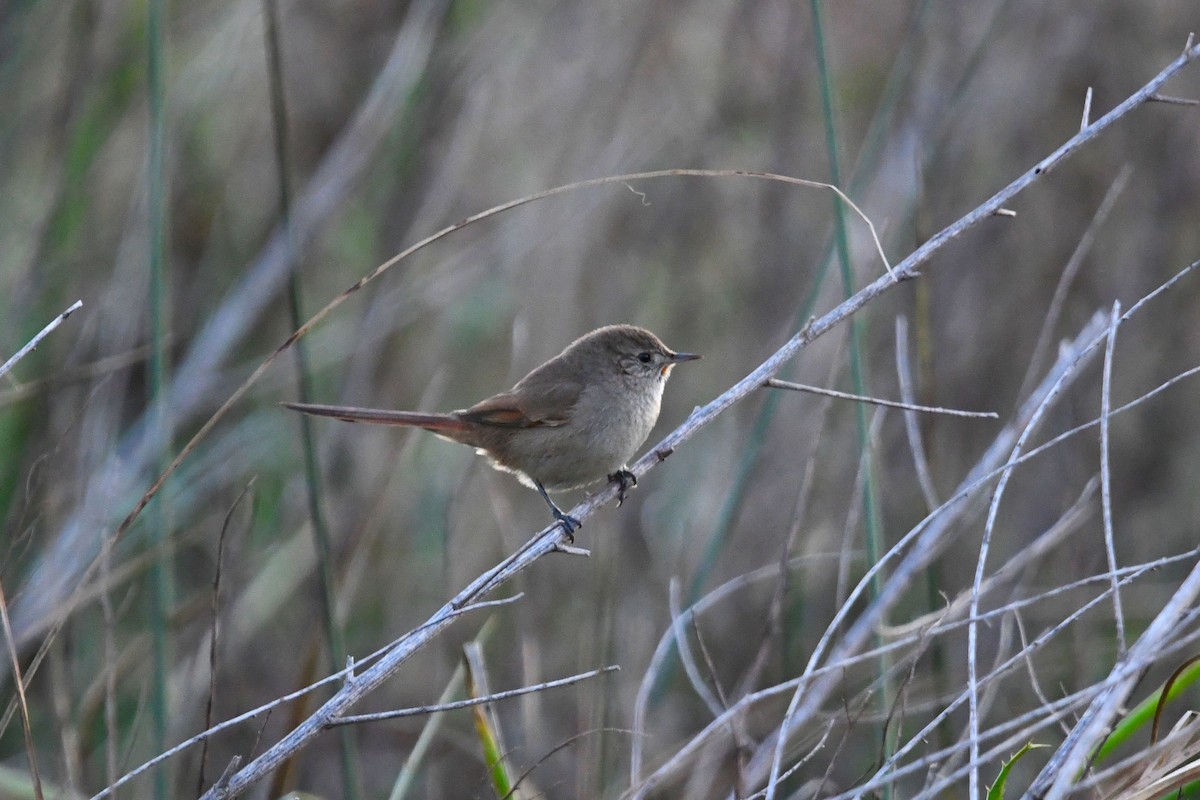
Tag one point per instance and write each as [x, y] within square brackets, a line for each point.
[625, 481]
[569, 524]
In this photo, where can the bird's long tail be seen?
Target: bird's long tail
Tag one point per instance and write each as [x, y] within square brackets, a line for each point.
[445, 424]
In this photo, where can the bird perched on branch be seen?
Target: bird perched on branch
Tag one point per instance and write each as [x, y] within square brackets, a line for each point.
[575, 420]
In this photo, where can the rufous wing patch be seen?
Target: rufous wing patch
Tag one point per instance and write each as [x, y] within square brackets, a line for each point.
[505, 411]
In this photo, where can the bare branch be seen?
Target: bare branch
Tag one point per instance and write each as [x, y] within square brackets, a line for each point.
[36, 340]
[776, 383]
[1106, 473]
[474, 701]
[911, 429]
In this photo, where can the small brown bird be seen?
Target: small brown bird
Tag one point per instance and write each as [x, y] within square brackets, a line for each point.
[572, 421]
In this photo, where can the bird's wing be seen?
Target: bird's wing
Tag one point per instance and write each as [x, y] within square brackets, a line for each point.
[550, 407]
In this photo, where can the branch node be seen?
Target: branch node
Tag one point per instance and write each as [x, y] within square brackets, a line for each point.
[571, 550]
[223, 782]
[1004, 212]
[663, 453]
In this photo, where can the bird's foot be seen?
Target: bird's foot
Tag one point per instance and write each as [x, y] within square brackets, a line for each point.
[625, 481]
[569, 524]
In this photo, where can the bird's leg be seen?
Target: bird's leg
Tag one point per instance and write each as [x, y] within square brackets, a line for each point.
[569, 523]
[625, 480]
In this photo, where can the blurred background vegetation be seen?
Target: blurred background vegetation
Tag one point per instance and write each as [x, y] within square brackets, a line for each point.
[402, 118]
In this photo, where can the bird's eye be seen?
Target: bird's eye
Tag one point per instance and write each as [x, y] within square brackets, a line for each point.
[645, 358]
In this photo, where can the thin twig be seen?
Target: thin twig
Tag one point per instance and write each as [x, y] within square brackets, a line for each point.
[1175, 101]
[1106, 474]
[971, 735]
[572, 550]
[570, 740]
[1034, 683]
[775, 383]
[36, 340]
[854, 512]
[685, 651]
[474, 701]
[737, 727]
[915, 444]
[820, 745]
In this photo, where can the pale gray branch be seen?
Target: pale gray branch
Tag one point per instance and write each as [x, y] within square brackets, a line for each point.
[911, 425]
[1106, 473]
[776, 383]
[474, 701]
[36, 340]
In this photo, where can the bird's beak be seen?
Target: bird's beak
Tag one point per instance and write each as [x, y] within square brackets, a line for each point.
[675, 358]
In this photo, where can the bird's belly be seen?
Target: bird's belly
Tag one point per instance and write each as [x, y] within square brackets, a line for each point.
[564, 458]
